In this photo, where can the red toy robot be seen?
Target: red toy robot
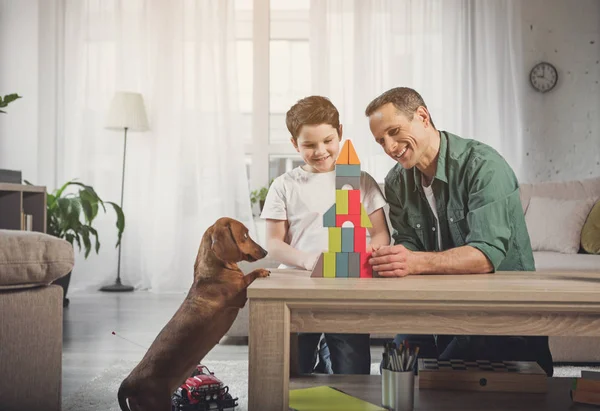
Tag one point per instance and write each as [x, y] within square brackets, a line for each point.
[203, 392]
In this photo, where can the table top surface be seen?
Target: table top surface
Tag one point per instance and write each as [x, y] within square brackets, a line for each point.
[509, 286]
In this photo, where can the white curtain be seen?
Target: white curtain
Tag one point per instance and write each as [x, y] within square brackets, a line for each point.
[184, 173]
[462, 56]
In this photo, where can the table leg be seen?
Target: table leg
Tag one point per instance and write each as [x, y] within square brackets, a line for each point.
[294, 355]
[269, 355]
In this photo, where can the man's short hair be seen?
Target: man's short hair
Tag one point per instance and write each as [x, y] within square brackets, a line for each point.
[406, 100]
[311, 111]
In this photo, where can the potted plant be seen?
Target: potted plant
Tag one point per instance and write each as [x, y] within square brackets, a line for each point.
[70, 215]
[259, 196]
[4, 101]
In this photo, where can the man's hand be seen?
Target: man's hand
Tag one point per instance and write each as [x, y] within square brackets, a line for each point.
[393, 261]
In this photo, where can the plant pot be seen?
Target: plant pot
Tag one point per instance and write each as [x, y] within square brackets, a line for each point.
[64, 283]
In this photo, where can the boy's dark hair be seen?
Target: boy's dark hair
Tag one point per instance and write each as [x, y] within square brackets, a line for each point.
[311, 111]
[406, 100]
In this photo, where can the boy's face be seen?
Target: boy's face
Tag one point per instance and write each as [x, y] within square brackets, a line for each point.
[319, 146]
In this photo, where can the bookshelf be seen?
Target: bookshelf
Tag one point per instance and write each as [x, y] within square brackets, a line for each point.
[17, 200]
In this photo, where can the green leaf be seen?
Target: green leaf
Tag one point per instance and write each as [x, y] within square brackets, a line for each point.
[70, 215]
[7, 100]
[95, 233]
[120, 221]
[85, 236]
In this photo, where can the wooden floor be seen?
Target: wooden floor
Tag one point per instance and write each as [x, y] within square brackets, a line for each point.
[89, 346]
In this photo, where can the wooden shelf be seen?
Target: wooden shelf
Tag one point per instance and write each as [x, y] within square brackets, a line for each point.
[22, 188]
[368, 388]
[16, 199]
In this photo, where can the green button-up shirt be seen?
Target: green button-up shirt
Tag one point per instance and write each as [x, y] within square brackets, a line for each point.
[477, 200]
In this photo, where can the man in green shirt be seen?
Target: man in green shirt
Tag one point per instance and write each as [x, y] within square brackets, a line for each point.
[455, 209]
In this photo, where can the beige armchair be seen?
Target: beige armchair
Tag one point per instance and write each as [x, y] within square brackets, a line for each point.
[31, 319]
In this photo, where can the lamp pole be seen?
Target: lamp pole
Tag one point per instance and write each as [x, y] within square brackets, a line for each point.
[118, 286]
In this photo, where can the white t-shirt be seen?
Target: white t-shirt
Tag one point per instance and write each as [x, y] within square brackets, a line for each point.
[431, 200]
[301, 198]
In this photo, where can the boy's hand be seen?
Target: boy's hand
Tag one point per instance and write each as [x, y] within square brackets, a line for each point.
[392, 261]
[311, 260]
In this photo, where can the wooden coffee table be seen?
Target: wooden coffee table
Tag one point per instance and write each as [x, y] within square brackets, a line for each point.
[504, 303]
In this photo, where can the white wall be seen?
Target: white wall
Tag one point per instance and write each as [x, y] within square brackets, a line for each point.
[562, 135]
[19, 74]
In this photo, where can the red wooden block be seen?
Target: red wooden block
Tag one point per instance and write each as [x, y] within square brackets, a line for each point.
[360, 239]
[366, 271]
[353, 201]
[340, 219]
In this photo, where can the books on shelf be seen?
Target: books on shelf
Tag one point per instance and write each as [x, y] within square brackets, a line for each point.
[26, 221]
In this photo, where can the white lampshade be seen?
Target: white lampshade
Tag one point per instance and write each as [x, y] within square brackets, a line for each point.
[127, 111]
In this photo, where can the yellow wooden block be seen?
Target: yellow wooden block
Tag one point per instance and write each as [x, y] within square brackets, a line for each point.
[335, 239]
[365, 221]
[329, 265]
[341, 201]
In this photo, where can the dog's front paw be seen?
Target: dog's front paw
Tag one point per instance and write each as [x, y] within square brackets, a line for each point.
[262, 273]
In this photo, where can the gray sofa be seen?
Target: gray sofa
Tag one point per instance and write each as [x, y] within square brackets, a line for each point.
[564, 349]
[31, 319]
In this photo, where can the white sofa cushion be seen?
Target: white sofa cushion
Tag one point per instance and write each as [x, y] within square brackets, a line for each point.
[555, 224]
[552, 261]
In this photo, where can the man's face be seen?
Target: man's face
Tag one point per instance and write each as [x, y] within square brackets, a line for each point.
[319, 147]
[403, 140]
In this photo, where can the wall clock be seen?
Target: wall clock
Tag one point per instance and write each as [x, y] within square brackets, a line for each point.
[543, 77]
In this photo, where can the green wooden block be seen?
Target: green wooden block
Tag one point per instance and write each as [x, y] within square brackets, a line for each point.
[335, 239]
[354, 265]
[347, 239]
[329, 217]
[329, 265]
[341, 201]
[347, 170]
[341, 265]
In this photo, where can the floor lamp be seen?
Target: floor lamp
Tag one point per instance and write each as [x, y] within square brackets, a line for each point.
[126, 113]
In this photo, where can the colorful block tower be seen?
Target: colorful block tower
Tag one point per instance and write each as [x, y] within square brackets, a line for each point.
[347, 222]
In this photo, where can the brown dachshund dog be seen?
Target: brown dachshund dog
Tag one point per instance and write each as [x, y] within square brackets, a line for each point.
[208, 311]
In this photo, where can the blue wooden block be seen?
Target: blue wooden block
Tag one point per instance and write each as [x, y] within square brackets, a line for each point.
[329, 217]
[340, 182]
[341, 264]
[348, 239]
[354, 265]
[343, 170]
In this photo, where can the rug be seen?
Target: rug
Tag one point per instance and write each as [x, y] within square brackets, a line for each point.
[100, 394]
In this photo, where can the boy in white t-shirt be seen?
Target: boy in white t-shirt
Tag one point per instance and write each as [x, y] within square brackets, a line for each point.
[294, 210]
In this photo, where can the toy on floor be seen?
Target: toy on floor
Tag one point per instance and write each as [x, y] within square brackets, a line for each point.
[202, 392]
[347, 252]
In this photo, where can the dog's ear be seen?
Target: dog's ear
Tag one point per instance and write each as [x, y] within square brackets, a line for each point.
[223, 243]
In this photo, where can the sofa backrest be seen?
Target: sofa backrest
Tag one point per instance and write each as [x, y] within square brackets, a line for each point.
[563, 190]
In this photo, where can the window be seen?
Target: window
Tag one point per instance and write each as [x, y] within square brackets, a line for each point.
[274, 61]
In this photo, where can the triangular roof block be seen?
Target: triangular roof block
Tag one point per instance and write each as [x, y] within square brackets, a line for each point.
[343, 157]
[352, 156]
[329, 217]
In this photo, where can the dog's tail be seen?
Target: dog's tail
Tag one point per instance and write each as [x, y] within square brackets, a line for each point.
[122, 396]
